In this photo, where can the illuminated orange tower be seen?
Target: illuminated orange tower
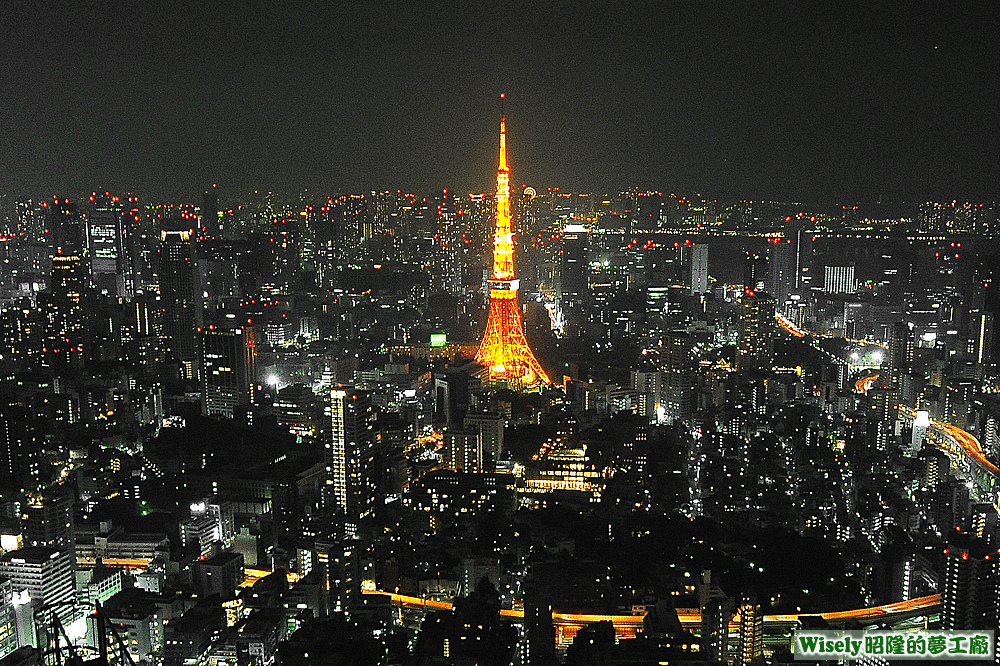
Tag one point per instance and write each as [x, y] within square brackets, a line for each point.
[504, 351]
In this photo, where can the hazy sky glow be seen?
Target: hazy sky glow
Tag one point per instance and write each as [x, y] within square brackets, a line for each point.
[778, 100]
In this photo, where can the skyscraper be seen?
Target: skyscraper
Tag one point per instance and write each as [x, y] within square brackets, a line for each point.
[228, 370]
[48, 521]
[573, 264]
[108, 245]
[504, 351]
[210, 223]
[756, 331]
[781, 274]
[754, 271]
[699, 269]
[63, 345]
[20, 449]
[179, 302]
[751, 637]
[982, 334]
[900, 356]
[64, 230]
[969, 587]
[349, 453]
[446, 273]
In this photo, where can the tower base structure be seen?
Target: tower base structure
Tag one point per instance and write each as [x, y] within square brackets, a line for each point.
[505, 352]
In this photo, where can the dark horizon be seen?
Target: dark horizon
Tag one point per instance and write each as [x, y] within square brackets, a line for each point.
[782, 102]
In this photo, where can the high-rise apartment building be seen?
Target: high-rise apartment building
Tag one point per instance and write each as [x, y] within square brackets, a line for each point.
[350, 454]
[446, 269]
[716, 615]
[969, 587]
[751, 636]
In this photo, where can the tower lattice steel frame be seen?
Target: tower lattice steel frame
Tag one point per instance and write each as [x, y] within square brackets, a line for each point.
[504, 351]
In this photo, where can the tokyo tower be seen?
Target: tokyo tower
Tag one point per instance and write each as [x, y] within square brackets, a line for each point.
[504, 351]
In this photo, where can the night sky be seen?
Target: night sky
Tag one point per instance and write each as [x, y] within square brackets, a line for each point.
[815, 102]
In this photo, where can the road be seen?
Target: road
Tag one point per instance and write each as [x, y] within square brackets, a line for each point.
[865, 383]
[970, 445]
[691, 616]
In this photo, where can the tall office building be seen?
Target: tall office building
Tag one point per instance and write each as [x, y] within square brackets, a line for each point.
[755, 272]
[839, 280]
[180, 305]
[781, 274]
[20, 449]
[60, 305]
[208, 217]
[573, 265]
[900, 353]
[350, 454]
[228, 370]
[699, 269]
[754, 349]
[22, 333]
[64, 230]
[108, 246]
[489, 427]
[9, 639]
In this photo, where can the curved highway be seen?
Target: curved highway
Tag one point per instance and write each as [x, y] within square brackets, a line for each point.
[865, 383]
[984, 472]
[691, 616]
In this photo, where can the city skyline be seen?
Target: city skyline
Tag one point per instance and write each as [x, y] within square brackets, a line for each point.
[286, 378]
[780, 102]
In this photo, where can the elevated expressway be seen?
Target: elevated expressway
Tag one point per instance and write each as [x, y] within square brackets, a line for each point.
[627, 626]
[967, 457]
